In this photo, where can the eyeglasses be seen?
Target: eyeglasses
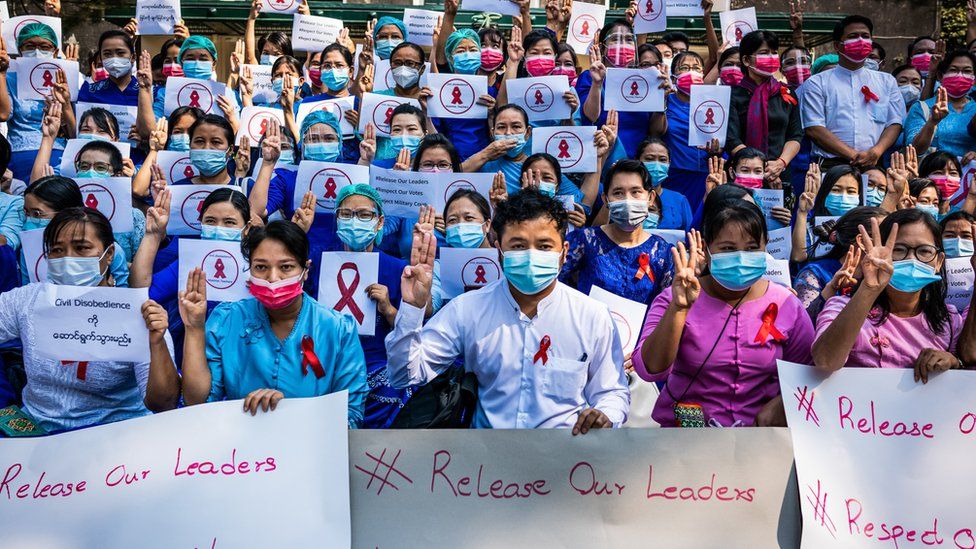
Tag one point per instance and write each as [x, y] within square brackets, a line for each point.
[362, 215]
[926, 253]
[100, 167]
[328, 66]
[442, 166]
[406, 63]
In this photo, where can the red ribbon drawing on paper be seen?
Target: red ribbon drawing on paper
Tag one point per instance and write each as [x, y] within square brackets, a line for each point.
[709, 116]
[188, 171]
[634, 89]
[346, 293]
[585, 31]
[456, 96]
[389, 115]
[650, 7]
[563, 149]
[264, 125]
[200, 207]
[539, 100]
[82, 370]
[309, 358]
[219, 267]
[48, 77]
[738, 34]
[479, 275]
[868, 94]
[91, 201]
[768, 328]
[644, 267]
[195, 99]
[543, 351]
[330, 188]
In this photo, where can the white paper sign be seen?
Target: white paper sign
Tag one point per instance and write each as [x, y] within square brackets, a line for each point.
[32, 244]
[4, 12]
[671, 236]
[767, 199]
[185, 206]
[778, 271]
[456, 96]
[779, 243]
[968, 173]
[261, 81]
[326, 179]
[193, 92]
[466, 269]
[222, 264]
[280, 6]
[212, 455]
[254, 122]
[959, 275]
[652, 16]
[124, 115]
[738, 23]
[157, 17]
[685, 8]
[112, 196]
[12, 26]
[541, 97]
[175, 165]
[584, 25]
[503, 7]
[72, 151]
[403, 193]
[378, 110]
[571, 146]
[36, 77]
[343, 280]
[337, 107]
[420, 25]
[311, 33]
[447, 184]
[628, 315]
[633, 90]
[709, 114]
[94, 324]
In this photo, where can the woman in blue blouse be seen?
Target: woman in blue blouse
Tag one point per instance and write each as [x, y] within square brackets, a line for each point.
[621, 257]
[675, 210]
[120, 88]
[941, 122]
[280, 344]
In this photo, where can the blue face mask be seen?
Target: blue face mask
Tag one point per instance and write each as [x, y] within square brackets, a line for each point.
[322, 152]
[93, 137]
[658, 171]
[737, 271]
[465, 235]
[216, 232]
[548, 189]
[335, 79]
[201, 70]
[36, 223]
[840, 204]
[404, 141]
[873, 197]
[90, 174]
[517, 150]
[268, 60]
[357, 235]
[209, 162]
[278, 85]
[287, 157]
[467, 62]
[179, 142]
[652, 221]
[76, 271]
[930, 209]
[911, 275]
[531, 271]
[384, 47]
[954, 247]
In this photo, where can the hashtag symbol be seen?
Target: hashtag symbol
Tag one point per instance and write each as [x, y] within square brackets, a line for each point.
[806, 404]
[383, 478]
[820, 509]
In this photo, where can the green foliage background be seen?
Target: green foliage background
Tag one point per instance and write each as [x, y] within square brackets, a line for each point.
[954, 23]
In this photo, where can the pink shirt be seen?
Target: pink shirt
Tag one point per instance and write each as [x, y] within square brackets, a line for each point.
[897, 342]
[740, 376]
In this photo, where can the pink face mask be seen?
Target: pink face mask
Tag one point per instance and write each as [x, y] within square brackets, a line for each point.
[568, 72]
[540, 65]
[622, 55]
[856, 50]
[731, 75]
[275, 295]
[797, 74]
[749, 181]
[315, 75]
[957, 85]
[947, 184]
[921, 61]
[172, 69]
[688, 79]
[766, 65]
[100, 74]
[491, 58]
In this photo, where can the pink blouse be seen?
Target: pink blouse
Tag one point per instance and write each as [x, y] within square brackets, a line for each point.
[740, 376]
[897, 342]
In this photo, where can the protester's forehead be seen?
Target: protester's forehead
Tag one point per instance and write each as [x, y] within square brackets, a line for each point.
[272, 251]
[540, 165]
[321, 129]
[407, 54]
[625, 180]
[197, 54]
[358, 202]
[36, 42]
[389, 29]
[334, 57]
[435, 154]
[535, 229]
[114, 43]
[733, 231]
[94, 155]
[76, 232]
[462, 205]
[959, 226]
[222, 210]
[856, 28]
[465, 44]
[915, 234]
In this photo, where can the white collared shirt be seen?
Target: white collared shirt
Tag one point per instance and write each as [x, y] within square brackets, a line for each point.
[582, 367]
[833, 99]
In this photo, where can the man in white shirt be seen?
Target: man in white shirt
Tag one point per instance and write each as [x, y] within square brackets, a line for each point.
[544, 354]
[852, 114]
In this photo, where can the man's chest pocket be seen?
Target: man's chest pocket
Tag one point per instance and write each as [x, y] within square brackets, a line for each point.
[878, 110]
[563, 380]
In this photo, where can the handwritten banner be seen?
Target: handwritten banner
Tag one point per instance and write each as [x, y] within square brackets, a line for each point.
[420, 25]
[36, 77]
[311, 33]
[193, 92]
[571, 146]
[112, 196]
[343, 280]
[326, 179]
[264, 93]
[541, 97]
[157, 17]
[456, 96]
[72, 152]
[222, 263]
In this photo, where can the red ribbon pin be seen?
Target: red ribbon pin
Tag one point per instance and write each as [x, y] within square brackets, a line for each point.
[868, 94]
[543, 351]
[82, 371]
[346, 293]
[784, 92]
[768, 328]
[309, 358]
[644, 267]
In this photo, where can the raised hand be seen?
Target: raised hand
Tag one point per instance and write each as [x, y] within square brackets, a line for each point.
[157, 320]
[515, 50]
[844, 277]
[52, 8]
[576, 216]
[305, 214]
[716, 173]
[131, 28]
[938, 56]
[236, 57]
[304, 9]
[425, 221]
[4, 57]
[941, 108]
[128, 167]
[796, 15]
[242, 158]
[71, 52]
[366, 78]
[60, 91]
[367, 147]
[610, 131]
[631, 12]
[144, 71]
[911, 161]
[344, 40]
[193, 300]
[811, 186]
[499, 190]
[255, 9]
[157, 216]
[877, 265]
[531, 179]
[685, 286]
[157, 181]
[287, 92]
[418, 277]
[898, 175]
[157, 137]
[51, 124]
[598, 71]
[180, 30]
[271, 144]
[402, 161]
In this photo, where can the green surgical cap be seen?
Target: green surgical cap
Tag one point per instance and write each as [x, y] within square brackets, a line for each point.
[320, 117]
[36, 30]
[387, 20]
[361, 189]
[195, 43]
[823, 61]
[456, 37]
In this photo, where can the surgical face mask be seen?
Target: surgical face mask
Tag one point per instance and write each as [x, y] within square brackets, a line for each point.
[315, 76]
[172, 69]
[948, 185]
[276, 295]
[384, 47]
[268, 60]
[731, 75]
[287, 157]
[957, 85]
[530, 271]
[76, 271]
[920, 62]
[406, 77]
[856, 49]
[278, 85]
[322, 152]
[91, 174]
[38, 53]
[209, 162]
[930, 209]
[686, 80]
[465, 235]
[737, 271]
[467, 62]
[840, 204]
[519, 140]
[93, 137]
[749, 181]
[491, 58]
[36, 223]
[335, 79]
[658, 171]
[357, 234]
[117, 66]
[872, 64]
[216, 232]
[548, 189]
[874, 197]
[909, 93]
[954, 247]
[652, 221]
[201, 70]
[568, 72]
[621, 55]
[540, 65]
[797, 74]
[766, 65]
[911, 275]
[100, 74]
[628, 214]
[179, 142]
[405, 141]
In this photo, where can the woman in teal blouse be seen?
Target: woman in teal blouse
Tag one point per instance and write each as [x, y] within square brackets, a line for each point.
[281, 343]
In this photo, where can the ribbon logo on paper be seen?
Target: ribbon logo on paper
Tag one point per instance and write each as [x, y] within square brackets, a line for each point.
[219, 269]
[462, 96]
[634, 89]
[649, 8]
[479, 274]
[539, 98]
[585, 31]
[346, 293]
[195, 99]
[330, 188]
[710, 116]
[456, 96]
[543, 352]
[188, 171]
[309, 358]
[48, 77]
[91, 201]
[563, 149]
[738, 34]
[389, 115]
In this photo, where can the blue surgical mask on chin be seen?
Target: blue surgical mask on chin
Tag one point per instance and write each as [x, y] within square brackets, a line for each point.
[737, 271]
[840, 204]
[520, 144]
[404, 141]
[201, 70]
[76, 271]
[358, 234]
[954, 247]
[465, 235]
[216, 232]
[209, 162]
[911, 275]
[658, 172]
[531, 271]
[322, 152]
[652, 221]
[179, 142]
[32, 223]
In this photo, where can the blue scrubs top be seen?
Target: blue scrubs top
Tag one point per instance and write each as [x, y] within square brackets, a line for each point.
[107, 92]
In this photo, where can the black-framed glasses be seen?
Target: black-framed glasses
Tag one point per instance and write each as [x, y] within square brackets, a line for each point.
[926, 253]
[362, 215]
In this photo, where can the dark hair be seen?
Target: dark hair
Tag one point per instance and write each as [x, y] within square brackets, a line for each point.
[178, 42]
[344, 51]
[531, 39]
[843, 232]
[627, 166]
[729, 52]
[57, 191]
[881, 51]
[721, 194]
[901, 68]
[948, 59]
[93, 58]
[563, 47]
[645, 48]
[180, 112]
[437, 141]
[754, 40]
[549, 159]
[676, 36]
[937, 161]
[288, 60]
[933, 298]
[407, 108]
[739, 211]
[5, 154]
[412, 46]
[156, 63]
[608, 28]
[745, 153]
[115, 157]
[214, 120]
[484, 32]
[958, 215]
[792, 47]
[236, 198]
[475, 197]
[513, 107]
[103, 119]
[840, 26]
[526, 205]
[911, 47]
[679, 57]
[830, 178]
[291, 236]
[919, 184]
[114, 33]
[651, 141]
[103, 227]
[277, 39]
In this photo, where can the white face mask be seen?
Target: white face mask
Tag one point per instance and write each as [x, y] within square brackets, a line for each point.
[76, 271]
[41, 54]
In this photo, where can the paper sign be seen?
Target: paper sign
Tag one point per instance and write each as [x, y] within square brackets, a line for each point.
[652, 16]
[633, 90]
[671, 236]
[112, 196]
[456, 96]
[343, 280]
[449, 183]
[212, 454]
[628, 315]
[281, 164]
[778, 271]
[12, 26]
[584, 25]
[767, 199]
[959, 275]
[466, 269]
[222, 263]
[32, 244]
[966, 181]
[72, 152]
[193, 92]
[571, 146]
[280, 6]
[420, 25]
[541, 97]
[263, 87]
[326, 179]
[710, 114]
[254, 122]
[4, 12]
[124, 115]
[95, 324]
[737, 23]
[403, 193]
[157, 17]
[175, 165]
[779, 243]
[337, 107]
[685, 8]
[378, 109]
[503, 7]
[311, 33]
[36, 77]
[186, 205]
